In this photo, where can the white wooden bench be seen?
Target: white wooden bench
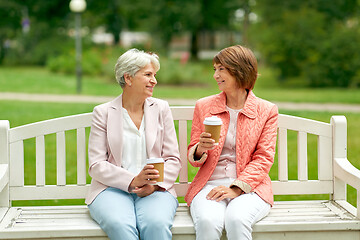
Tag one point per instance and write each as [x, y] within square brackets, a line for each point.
[330, 218]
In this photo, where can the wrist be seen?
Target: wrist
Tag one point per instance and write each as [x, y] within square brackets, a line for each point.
[198, 153]
[133, 184]
[237, 190]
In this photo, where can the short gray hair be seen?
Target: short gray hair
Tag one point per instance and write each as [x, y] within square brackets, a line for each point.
[132, 61]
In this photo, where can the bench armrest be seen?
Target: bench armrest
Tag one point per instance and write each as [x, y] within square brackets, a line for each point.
[345, 171]
[350, 175]
[4, 176]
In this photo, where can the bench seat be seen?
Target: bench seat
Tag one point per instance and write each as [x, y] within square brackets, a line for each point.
[74, 222]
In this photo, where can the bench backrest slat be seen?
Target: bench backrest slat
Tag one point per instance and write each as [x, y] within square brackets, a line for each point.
[302, 156]
[40, 160]
[81, 156]
[79, 125]
[282, 154]
[60, 159]
[182, 134]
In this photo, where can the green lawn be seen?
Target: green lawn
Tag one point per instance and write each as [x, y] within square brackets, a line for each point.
[20, 113]
[40, 80]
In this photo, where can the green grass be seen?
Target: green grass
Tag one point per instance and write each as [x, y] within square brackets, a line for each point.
[20, 113]
[343, 96]
[40, 80]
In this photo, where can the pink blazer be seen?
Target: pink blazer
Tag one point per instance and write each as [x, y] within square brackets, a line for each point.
[255, 144]
[106, 139]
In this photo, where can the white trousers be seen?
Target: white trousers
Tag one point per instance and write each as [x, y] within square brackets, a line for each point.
[237, 215]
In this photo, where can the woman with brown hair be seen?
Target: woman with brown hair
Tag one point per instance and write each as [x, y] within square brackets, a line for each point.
[232, 188]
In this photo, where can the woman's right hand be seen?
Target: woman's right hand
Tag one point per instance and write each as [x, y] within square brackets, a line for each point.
[205, 143]
[146, 176]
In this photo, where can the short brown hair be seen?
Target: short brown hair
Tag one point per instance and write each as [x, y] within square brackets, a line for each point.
[241, 63]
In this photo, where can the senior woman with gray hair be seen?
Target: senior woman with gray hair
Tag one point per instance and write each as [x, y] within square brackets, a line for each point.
[123, 197]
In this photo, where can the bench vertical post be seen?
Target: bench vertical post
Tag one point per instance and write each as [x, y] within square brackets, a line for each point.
[339, 151]
[183, 177]
[4, 163]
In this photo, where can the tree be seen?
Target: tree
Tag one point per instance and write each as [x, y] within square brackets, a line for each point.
[169, 17]
[108, 13]
[297, 37]
[10, 13]
[35, 27]
[213, 15]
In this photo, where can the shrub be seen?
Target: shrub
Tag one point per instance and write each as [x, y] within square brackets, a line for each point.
[66, 62]
[36, 47]
[175, 73]
[337, 64]
[307, 44]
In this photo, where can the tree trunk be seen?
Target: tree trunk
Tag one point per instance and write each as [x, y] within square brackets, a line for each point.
[2, 51]
[245, 38]
[194, 48]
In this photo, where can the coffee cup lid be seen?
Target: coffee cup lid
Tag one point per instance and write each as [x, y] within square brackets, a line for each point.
[154, 160]
[213, 120]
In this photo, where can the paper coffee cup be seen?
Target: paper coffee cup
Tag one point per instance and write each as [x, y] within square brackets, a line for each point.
[213, 126]
[158, 164]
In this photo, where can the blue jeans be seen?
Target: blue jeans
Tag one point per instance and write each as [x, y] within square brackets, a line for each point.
[126, 216]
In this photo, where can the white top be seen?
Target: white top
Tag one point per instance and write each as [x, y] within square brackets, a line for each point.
[134, 148]
[226, 166]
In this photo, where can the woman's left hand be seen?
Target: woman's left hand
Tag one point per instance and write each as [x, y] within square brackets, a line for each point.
[221, 192]
[145, 190]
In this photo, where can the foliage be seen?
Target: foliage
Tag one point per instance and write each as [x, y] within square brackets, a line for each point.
[287, 46]
[101, 61]
[312, 40]
[65, 63]
[336, 64]
[166, 18]
[191, 73]
[10, 13]
[43, 35]
[108, 13]
[34, 50]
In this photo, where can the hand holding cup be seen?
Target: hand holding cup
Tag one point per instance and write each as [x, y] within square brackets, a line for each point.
[205, 142]
[213, 126]
[210, 138]
[158, 164]
[146, 176]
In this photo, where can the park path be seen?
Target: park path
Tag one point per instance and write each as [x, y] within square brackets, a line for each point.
[330, 107]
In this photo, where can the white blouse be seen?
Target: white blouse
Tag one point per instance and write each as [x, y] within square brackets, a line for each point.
[226, 166]
[134, 148]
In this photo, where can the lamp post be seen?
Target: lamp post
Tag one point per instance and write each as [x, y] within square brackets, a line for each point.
[78, 6]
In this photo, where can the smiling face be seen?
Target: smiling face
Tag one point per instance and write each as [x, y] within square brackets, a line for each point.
[224, 79]
[143, 82]
[240, 62]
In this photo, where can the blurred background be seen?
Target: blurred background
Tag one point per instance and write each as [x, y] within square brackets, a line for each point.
[311, 43]
[308, 52]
